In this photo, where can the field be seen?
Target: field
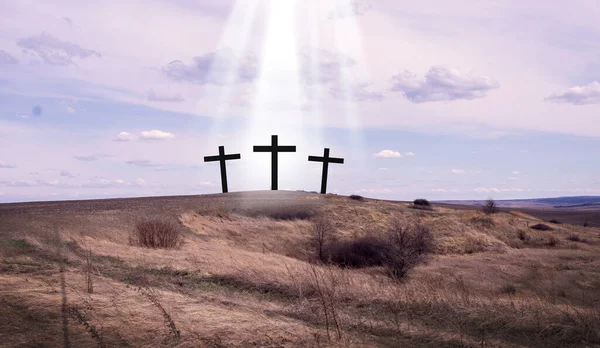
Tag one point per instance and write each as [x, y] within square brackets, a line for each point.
[69, 276]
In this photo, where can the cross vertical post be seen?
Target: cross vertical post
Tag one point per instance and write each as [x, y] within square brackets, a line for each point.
[221, 158]
[326, 160]
[274, 149]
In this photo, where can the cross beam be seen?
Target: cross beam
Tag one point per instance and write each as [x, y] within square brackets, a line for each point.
[274, 149]
[326, 160]
[221, 158]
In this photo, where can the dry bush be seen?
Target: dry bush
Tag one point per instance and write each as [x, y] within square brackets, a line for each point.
[576, 238]
[483, 222]
[541, 227]
[421, 204]
[553, 241]
[356, 197]
[554, 221]
[406, 245]
[523, 236]
[398, 249]
[362, 252]
[283, 212]
[322, 234]
[490, 207]
[156, 234]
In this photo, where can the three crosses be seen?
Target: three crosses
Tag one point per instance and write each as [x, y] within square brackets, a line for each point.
[274, 149]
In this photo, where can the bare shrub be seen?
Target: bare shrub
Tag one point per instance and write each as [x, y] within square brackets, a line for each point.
[553, 241]
[483, 222]
[289, 212]
[362, 252]
[490, 207]
[405, 246]
[88, 271]
[321, 236]
[541, 227]
[509, 289]
[421, 202]
[576, 238]
[523, 235]
[554, 221]
[586, 224]
[326, 284]
[356, 197]
[156, 234]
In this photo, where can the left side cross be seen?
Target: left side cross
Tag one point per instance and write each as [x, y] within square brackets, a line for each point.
[222, 157]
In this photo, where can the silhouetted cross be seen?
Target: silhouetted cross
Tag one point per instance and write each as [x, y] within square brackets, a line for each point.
[222, 157]
[326, 160]
[274, 149]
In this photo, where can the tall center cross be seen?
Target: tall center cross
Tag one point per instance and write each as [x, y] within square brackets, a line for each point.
[326, 160]
[274, 149]
[222, 157]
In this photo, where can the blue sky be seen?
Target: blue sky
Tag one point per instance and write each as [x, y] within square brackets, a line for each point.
[468, 100]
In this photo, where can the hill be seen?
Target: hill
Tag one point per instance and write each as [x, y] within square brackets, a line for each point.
[69, 276]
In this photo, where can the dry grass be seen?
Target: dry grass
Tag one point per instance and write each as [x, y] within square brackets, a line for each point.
[241, 280]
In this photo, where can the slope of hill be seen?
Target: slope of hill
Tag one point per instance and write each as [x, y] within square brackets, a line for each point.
[241, 277]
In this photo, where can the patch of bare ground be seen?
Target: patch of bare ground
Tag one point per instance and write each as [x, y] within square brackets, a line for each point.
[245, 275]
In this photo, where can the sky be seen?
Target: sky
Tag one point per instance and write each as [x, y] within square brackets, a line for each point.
[468, 99]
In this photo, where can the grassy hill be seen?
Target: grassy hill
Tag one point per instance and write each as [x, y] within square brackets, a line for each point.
[245, 276]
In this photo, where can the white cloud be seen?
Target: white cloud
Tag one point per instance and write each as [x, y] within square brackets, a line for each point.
[124, 136]
[578, 95]
[162, 97]
[6, 58]
[457, 171]
[389, 154]
[513, 178]
[66, 174]
[219, 67]
[6, 165]
[156, 135]
[140, 182]
[497, 190]
[516, 172]
[25, 117]
[69, 109]
[442, 84]
[54, 51]
[348, 8]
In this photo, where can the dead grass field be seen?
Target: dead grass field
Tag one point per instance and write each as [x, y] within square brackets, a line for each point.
[241, 277]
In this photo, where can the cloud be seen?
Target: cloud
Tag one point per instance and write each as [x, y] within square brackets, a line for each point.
[357, 92]
[578, 95]
[54, 51]
[513, 178]
[157, 135]
[348, 8]
[6, 58]
[392, 154]
[516, 172]
[37, 110]
[442, 84]
[158, 97]
[323, 66]
[218, 68]
[497, 190]
[6, 165]
[140, 182]
[142, 163]
[457, 171]
[87, 158]
[67, 174]
[25, 117]
[69, 109]
[124, 136]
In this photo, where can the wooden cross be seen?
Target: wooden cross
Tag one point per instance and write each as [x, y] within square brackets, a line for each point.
[326, 160]
[222, 157]
[274, 149]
